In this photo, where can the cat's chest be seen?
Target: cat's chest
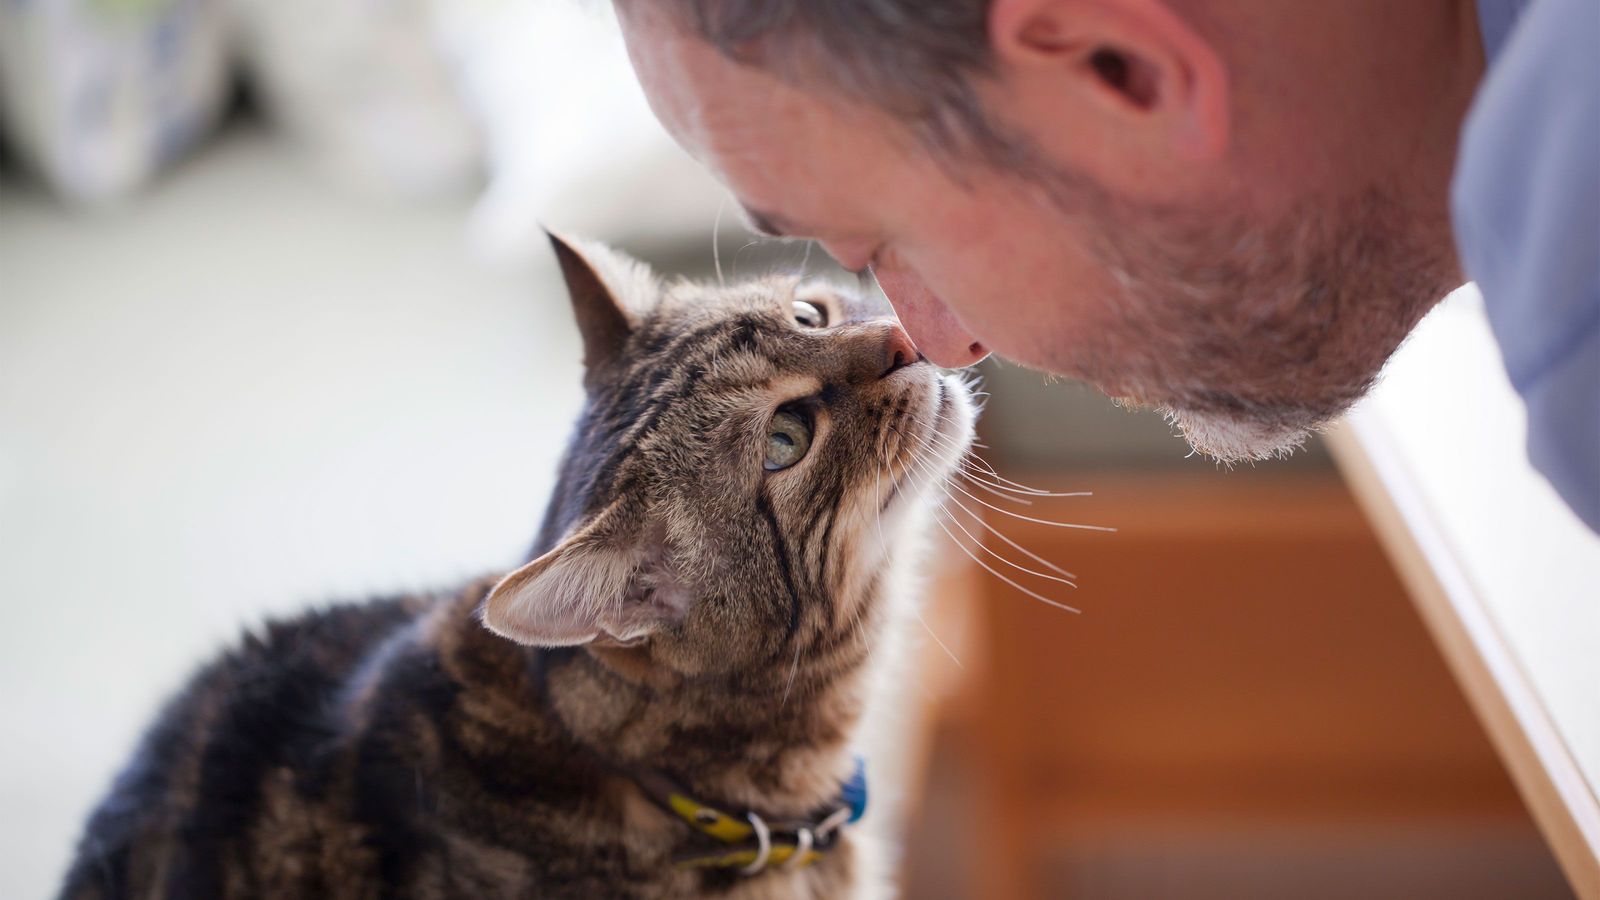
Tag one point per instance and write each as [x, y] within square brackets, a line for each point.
[592, 857]
[828, 878]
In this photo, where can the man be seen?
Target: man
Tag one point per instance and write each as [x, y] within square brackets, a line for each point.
[1233, 210]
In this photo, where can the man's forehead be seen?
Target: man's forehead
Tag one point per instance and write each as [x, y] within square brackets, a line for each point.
[714, 105]
[786, 153]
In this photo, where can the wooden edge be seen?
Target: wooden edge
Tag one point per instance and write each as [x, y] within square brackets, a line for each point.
[1505, 700]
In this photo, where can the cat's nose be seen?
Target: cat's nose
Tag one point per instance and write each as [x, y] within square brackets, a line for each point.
[898, 350]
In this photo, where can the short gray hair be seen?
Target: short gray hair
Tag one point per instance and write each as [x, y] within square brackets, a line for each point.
[918, 60]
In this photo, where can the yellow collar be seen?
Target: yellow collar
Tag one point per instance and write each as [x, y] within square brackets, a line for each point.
[750, 842]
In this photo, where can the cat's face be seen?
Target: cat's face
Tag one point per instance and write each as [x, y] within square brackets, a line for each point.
[739, 475]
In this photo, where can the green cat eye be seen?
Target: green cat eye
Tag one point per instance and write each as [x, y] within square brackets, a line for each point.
[788, 439]
[810, 314]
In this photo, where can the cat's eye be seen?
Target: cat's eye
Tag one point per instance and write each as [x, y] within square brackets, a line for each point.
[788, 439]
[809, 314]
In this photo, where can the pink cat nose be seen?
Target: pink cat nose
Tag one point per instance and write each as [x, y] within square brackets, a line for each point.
[898, 350]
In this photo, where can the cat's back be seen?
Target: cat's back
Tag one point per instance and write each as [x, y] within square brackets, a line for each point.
[202, 772]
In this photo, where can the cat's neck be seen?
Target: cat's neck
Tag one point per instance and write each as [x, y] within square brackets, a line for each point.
[755, 741]
[775, 741]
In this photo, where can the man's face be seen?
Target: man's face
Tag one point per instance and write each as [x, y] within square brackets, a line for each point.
[1248, 329]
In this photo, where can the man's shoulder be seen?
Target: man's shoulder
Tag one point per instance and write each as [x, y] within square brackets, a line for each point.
[1526, 212]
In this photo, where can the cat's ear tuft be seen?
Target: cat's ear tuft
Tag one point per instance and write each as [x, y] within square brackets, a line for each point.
[607, 289]
[596, 585]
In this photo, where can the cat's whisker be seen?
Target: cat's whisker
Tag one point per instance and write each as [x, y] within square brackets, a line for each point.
[736, 253]
[976, 466]
[971, 462]
[992, 571]
[1065, 577]
[933, 634]
[925, 467]
[985, 548]
[794, 669]
[858, 616]
[948, 498]
[974, 463]
[936, 437]
[1037, 521]
[1018, 492]
[981, 522]
[716, 243]
[983, 485]
[877, 504]
[1031, 491]
[1013, 544]
[877, 511]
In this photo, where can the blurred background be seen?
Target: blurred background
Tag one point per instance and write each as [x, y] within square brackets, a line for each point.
[277, 326]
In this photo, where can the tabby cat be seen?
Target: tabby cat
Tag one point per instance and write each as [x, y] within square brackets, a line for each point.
[660, 704]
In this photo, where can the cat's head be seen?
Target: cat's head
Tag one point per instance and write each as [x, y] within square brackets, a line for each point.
[738, 480]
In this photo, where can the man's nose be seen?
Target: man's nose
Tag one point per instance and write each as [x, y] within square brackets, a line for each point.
[939, 336]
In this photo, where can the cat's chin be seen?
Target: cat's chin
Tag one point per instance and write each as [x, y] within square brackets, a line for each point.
[952, 416]
[946, 420]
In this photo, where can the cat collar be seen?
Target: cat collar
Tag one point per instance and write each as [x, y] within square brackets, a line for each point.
[751, 843]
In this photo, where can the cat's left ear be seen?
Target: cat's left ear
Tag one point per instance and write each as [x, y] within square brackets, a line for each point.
[603, 583]
[607, 289]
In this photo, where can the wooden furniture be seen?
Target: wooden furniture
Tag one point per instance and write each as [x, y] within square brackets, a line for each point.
[1247, 695]
[1505, 576]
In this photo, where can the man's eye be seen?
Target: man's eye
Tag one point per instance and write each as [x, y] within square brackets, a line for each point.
[810, 314]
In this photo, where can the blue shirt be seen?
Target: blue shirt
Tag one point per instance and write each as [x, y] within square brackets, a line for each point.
[1525, 203]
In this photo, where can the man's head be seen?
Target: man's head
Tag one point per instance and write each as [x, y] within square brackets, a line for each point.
[1233, 211]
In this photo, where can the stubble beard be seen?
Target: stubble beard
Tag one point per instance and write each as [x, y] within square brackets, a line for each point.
[1251, 338]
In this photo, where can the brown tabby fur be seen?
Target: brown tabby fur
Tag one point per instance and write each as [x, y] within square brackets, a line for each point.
[688, 612]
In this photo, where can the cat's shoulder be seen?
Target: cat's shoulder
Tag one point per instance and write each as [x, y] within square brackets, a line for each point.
[268, 701]
[329, 637]
[279, 679]
[319, 647]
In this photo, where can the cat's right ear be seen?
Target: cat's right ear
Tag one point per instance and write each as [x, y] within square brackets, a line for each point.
[606, 288]
[604, 582]
[557, 599]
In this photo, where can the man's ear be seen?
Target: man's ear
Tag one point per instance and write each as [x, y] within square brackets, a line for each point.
[1133, 67]
[602, 583]
[607, 288]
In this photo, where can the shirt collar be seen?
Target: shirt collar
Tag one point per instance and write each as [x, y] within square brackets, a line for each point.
[1496, 19]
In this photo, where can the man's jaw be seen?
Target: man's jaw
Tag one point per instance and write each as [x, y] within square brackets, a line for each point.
[1229, 438]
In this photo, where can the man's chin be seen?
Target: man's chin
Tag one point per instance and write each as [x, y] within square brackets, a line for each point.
[1229, 438]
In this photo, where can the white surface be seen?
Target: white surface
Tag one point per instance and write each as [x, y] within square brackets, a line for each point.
[363, 89]
[544, 79]
[1452, 431]
[243, 393]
